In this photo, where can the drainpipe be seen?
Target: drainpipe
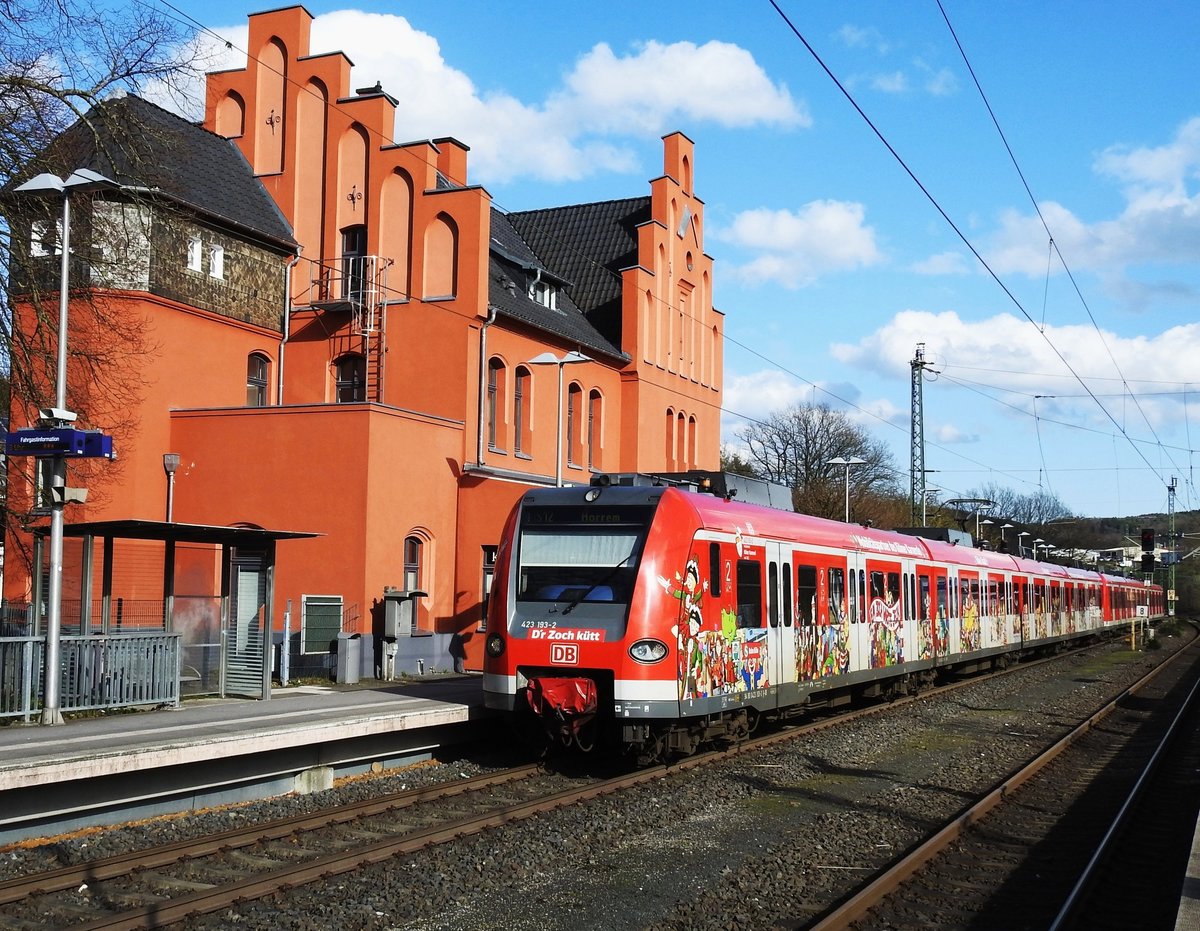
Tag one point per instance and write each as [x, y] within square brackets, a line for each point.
[287, 320]
[491, 318]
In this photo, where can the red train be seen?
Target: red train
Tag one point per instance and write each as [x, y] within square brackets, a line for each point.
[656, 619]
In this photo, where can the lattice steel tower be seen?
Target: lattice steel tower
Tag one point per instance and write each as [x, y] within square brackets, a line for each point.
[917, 459]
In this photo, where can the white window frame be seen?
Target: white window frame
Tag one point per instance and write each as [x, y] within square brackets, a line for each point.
[216, 261]
[195, 254]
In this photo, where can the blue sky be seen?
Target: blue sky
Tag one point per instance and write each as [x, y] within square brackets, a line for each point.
[1073, 368]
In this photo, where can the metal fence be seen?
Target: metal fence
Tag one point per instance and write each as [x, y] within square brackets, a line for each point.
[114, 671]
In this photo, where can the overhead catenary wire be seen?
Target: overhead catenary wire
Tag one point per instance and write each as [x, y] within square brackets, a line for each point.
[953, 226]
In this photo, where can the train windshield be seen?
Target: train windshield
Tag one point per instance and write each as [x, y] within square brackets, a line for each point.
[580, 554]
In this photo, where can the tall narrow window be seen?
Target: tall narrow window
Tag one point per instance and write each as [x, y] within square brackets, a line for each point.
[594, 427]
[495, 404]
[195, 256]
[351, 373]
[257, 370]
[413, 547]
[574, 435]
[522, 444]
[216, 262]
[354, 251]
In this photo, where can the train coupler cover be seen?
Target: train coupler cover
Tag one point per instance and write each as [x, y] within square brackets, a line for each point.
[572, 701]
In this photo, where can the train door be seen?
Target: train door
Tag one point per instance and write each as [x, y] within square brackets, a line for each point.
[1012, 620]
[1054, 605]
[884, 615]
[860, 634]
[781, 640]
[969, 616]
[996, 625]
[1021, 606]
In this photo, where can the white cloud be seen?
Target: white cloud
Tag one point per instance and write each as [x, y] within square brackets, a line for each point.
[1010, 356]
[608, 102]
[945, 263]
[798, 246]
[1159, 224]
[863, 37]
[759, 394]
[658, 84]
[947, 433]
[894, 83]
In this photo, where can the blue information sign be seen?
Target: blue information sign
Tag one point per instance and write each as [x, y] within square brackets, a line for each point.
[35, 441]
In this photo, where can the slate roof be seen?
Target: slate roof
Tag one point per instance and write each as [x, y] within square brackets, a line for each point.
[511, 266]
[587, 246]
[141, 145]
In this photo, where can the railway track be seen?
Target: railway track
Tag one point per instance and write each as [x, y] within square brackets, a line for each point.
[1053, 845]
[182, 881]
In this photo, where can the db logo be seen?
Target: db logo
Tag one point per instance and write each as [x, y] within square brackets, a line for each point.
[564, 654]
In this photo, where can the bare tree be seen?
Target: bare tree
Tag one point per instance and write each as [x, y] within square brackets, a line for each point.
[794, 447]
[59, 60]
[1037, 508]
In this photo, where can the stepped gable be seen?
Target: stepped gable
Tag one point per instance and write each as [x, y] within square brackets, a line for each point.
[143, 146]
[512, 264]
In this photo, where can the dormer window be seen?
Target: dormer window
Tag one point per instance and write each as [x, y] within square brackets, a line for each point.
[544, 293]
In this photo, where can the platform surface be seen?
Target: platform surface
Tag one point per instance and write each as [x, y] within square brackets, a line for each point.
[208, 728]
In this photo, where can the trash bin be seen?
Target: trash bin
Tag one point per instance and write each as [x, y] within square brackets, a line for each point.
[349, 658]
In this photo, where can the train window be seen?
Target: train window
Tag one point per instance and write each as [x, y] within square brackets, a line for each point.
[891, 594]
[974, 596]
[714, 568]
[787, 593]
[993, 597]
[862, 594]
[773, 593]
[837, 597]
[943, 597]
[926, 607]
[876, 586]
[749, 593]
[806, 594]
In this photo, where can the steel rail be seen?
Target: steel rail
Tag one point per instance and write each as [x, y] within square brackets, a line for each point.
[861, 902]
[70, 877]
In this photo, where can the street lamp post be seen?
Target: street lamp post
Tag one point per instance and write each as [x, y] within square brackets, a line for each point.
[1021, 541]
[80, 180]
[549, 358]
[1004, 527]
[979, 523]
[170, 464]
[852, 461]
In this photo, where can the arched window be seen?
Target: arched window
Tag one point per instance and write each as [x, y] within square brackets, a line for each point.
[522, 439]
[495, 404]
[669, 437]
[258, 368]
[594, 428]
[354, 251]
[574, 434]
[413, 551]
[351, 375]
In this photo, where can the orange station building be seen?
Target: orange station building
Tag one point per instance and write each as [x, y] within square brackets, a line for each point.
[347, 338]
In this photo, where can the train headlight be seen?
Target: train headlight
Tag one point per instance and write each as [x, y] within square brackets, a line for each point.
[494, 645]
[648, 651]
